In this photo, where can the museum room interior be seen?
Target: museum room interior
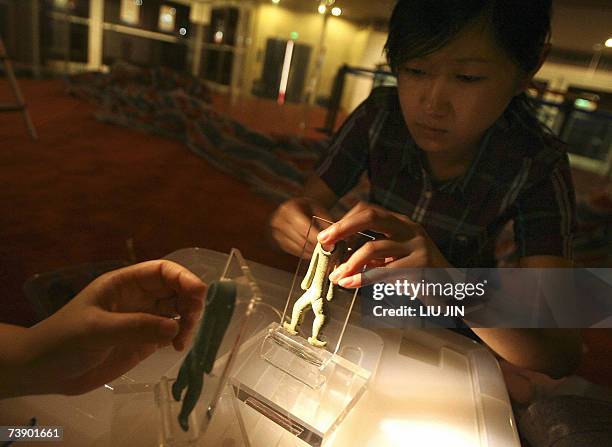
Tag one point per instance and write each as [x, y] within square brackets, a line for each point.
[134, 128]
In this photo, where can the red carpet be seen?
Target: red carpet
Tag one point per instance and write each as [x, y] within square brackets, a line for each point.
[85, 187]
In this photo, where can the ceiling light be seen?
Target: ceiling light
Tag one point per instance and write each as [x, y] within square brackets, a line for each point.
[609, 42]
[336, 11]
[276, 2]
[322, 9]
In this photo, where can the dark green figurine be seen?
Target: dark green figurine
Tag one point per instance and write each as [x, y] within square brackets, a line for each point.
[218, 310]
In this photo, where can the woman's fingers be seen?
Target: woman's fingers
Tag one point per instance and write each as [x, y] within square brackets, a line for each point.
[288, 241]
[375, 252]
[400, 231]
[368, 253]
[119, 328]
[370, 218]
[291, 225]
[157, 280]
[190, 292]
[157, 287]
[299, 220]
[360, 206]
[381, 253]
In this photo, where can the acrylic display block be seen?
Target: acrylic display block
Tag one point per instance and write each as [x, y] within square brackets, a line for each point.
[277, 405]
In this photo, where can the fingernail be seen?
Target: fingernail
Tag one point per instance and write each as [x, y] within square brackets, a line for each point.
[324, 235]
[347, 282]
[168, 328]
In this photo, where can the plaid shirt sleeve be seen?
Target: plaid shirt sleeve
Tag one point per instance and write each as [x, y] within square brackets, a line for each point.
[347, 156]
[545, 222]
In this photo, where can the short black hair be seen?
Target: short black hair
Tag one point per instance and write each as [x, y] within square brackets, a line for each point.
[419, 27]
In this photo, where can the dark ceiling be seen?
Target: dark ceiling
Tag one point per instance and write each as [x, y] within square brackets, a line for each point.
[577, 24]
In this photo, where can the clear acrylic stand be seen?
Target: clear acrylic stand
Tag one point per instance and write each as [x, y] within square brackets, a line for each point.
[291, 390]
[279, 410]
[138, 407]
[312, 360]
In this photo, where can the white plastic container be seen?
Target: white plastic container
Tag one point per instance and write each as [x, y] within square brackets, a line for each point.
[430, 388]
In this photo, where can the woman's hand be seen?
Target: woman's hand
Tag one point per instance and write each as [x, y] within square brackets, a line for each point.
[405, 245]
[290, 223]
[115, 322]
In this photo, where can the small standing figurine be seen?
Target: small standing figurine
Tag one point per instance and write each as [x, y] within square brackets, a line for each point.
[220, 302]
[317, 285]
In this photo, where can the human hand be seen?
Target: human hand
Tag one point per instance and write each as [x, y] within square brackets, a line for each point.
[114, 323]
[290, 223]
[406, 244]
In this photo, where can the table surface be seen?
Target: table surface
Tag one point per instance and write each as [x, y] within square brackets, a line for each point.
[431, 386]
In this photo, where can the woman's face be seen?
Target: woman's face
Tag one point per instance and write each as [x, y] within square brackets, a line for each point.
[449, 98]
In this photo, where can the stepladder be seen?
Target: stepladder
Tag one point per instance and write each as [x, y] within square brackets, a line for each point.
[19, 105]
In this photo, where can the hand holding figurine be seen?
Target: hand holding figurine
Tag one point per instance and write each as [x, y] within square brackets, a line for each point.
[406, 244]
[290, 223]
[114, 323]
